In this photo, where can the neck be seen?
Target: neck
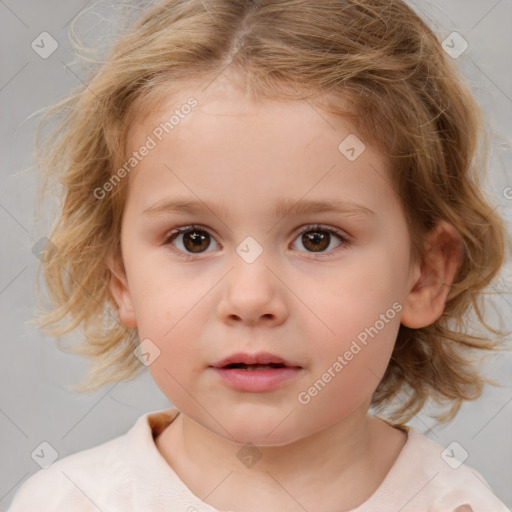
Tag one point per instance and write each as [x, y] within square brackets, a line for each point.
[345, 463]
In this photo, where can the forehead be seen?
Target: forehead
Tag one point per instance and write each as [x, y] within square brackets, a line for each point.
[228, 140]
[168, 108]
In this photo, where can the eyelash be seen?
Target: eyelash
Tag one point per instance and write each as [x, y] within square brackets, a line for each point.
[311, 227]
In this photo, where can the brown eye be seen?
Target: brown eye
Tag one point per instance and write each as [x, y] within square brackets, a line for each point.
[190, 240]
[196, 241]
[318, 239]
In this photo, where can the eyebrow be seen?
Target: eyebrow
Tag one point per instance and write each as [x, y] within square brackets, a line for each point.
[182, 205]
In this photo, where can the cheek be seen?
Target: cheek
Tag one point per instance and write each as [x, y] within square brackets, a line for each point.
[165, 298]
[354, 297]
[178, 363]
[358, 356]
[359, 309]
[346, 372]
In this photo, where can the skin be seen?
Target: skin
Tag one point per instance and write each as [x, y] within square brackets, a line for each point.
[293, 301]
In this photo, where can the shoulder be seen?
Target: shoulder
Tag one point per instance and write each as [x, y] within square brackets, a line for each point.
[99, 478]
[435, 478]
[72, 482]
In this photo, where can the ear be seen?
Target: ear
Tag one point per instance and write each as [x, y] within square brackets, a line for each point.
[442, 254]
[120, 291]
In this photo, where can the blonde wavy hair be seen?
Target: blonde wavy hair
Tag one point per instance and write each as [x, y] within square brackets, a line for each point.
[404, 94]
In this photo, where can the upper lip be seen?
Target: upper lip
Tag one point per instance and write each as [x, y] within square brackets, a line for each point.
[259, 358]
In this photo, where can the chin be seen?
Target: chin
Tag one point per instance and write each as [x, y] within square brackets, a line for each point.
[260, 433]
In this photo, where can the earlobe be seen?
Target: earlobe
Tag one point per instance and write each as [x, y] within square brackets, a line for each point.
[120, 291]
[442, 255]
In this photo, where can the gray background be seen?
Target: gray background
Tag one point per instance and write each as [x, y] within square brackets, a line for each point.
[35, 404]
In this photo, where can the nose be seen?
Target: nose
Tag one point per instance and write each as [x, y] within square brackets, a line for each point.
[253, 295]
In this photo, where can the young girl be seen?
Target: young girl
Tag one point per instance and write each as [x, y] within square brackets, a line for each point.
[274, 207]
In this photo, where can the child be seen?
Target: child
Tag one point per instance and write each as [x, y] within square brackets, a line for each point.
[275, 207]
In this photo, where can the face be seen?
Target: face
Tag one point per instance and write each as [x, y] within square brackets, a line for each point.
[228, 273]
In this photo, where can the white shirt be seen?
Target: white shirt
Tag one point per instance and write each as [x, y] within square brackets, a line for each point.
[128, 473]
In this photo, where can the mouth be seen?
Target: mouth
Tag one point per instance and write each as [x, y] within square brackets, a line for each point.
[256, 373]
[250, 367]
[261, 360]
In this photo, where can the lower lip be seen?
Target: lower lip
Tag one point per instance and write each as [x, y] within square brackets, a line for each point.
[257, 380]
